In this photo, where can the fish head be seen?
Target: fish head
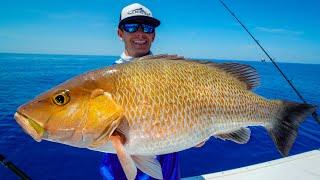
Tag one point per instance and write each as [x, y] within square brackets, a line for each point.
[80, 112]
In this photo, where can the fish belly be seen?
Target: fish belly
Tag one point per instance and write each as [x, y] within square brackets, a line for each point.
[156, 141]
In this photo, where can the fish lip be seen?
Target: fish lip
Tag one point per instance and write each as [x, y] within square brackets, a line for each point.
[35, 130]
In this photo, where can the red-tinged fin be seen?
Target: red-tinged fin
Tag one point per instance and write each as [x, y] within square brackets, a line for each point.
[125, 159]
[149, 165]
[284, 129]
[242, 72]
[240, 136]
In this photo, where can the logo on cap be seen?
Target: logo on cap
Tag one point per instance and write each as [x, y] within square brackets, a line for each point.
[139, 11]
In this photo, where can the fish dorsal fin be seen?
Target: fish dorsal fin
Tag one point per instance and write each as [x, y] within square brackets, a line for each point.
[174, 57]
[242, 72]
[240, 136]
[149, 165]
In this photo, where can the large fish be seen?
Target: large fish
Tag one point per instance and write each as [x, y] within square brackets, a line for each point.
[157, 105]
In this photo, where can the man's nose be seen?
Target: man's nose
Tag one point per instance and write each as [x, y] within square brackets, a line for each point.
[139, 33]
[140, 30]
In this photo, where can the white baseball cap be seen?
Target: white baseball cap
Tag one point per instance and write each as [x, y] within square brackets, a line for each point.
[137, 13]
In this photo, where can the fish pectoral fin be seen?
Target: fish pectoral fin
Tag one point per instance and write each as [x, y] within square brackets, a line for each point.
[240, 136]
[125, 159]
[149, 165]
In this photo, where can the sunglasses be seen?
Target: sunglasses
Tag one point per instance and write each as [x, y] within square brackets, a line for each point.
[131, 28]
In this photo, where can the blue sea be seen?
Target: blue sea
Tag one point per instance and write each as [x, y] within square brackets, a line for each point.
[23, 76]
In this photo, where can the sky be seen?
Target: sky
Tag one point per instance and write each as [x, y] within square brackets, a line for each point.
[288, 29]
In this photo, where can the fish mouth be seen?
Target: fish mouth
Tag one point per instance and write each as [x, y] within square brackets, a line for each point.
[34, 129]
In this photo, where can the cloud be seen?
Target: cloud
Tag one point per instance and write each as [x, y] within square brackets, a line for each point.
[11, 35]
[92, 20]
[72, 15]
[99, 24]
[55, 15]
[278, 31]
[60, 16]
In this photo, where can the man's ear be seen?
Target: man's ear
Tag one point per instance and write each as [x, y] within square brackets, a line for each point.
[120, 34]
[154, 36]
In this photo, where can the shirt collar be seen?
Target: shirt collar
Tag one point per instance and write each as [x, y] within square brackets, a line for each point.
[125, 58]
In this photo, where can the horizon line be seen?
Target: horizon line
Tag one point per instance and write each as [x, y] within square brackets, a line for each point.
[200, 58]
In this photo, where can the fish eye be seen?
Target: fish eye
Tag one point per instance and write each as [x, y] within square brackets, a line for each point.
[61, 97]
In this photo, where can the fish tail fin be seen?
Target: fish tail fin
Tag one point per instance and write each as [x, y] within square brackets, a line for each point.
[284, 128]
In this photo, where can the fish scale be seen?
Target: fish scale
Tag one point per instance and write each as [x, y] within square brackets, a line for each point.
[178, 104]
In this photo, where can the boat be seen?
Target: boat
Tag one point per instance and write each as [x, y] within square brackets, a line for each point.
[301, 166]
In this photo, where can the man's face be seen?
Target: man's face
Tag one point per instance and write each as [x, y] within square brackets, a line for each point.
[137, 43]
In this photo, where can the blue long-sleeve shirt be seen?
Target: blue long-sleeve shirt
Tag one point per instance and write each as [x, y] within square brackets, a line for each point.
[111, 168]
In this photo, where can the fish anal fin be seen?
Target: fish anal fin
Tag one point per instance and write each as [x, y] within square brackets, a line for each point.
[242, 72]
[125, 159]
[149, 165]
[240, 136]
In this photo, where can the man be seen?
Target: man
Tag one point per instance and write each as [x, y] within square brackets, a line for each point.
[137, 30]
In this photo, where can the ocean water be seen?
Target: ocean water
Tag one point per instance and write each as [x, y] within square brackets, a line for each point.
[23, 76]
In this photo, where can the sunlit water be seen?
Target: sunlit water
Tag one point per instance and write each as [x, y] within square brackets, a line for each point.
[23, 76]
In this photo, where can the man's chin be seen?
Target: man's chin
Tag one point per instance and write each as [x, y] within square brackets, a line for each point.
[141, 48]
[141, 52]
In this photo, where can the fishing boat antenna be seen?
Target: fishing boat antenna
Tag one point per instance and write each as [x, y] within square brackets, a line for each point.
[13, 168]
[314, 114]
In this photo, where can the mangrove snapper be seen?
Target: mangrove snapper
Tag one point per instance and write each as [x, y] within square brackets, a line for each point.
[156, 105]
